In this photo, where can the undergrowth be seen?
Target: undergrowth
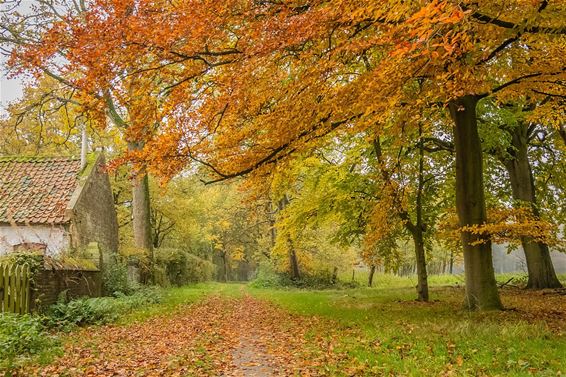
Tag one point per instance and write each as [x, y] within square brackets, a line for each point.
[98, 310]
[22, 337]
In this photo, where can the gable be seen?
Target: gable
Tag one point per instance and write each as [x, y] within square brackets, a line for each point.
[37, 190]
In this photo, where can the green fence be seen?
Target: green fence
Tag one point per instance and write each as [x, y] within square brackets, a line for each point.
[14, 288]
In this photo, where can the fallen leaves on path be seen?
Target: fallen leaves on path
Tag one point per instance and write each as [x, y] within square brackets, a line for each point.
[217, 337]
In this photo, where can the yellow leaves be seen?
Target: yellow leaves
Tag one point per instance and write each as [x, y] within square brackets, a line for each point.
[504, 225]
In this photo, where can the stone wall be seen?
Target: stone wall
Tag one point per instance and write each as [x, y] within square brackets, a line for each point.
[94, 214]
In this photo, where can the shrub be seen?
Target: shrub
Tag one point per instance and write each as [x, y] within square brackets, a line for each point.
[115, 279]
[98, 310]
[316, 280]
[21, 335]
[268, 277]
[179, 267]
[26, 258]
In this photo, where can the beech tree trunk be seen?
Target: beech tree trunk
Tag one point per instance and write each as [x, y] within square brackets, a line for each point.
[422, 278]
[294, 262]
[562, 133]
[335, 275]
[481, 287]
[141, 214]
[370, 278]
[539, 264]
[142, 224]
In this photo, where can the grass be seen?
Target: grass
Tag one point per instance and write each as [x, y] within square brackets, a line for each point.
[394, 281]
[396, 335]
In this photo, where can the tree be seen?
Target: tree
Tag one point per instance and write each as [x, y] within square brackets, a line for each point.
[47, 121]
[514, 157]
[216, 222]
[22, 28]
[270, 79]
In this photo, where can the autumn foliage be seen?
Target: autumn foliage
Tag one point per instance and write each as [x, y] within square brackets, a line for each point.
[237, 87]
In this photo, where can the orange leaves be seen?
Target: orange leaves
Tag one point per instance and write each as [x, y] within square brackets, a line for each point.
[437, 12]
[184, 343]
[290, 72]
[218, 336]
[433, 22]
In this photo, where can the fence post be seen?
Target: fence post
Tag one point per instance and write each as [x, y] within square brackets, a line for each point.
[2, 288]
[26, 293]
[14, 288]
[7, 306]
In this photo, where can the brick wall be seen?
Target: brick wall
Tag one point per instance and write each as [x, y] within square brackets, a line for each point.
[48, 285]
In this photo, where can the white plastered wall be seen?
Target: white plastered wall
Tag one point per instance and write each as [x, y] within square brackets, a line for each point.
[55, 237]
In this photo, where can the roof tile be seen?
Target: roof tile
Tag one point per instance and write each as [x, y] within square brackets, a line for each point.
[36, 190]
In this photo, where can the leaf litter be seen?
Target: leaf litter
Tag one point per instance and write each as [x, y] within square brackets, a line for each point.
[229, 337]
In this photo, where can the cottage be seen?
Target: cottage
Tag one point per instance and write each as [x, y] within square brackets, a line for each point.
[55, 204]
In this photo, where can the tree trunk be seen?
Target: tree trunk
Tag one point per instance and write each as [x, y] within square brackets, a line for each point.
[422, 278]
[225, 266]
[481, 287]
[539, 264]
[562, 132]
[142, 224]
[141, 215]
[293, 260]
[271, 218]
[370, 278]
[418, 229]
[335, 275]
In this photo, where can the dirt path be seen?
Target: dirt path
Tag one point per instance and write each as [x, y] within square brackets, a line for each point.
[217, 337]
[250, 359]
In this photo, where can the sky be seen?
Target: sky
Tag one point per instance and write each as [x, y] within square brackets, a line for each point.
[10, 90]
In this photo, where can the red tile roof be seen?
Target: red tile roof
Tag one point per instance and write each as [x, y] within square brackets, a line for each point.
[36, 190]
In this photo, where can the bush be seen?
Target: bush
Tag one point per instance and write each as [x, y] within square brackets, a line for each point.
[98, 310]
[21, 335]
[115, 279]
[26, 258]
[268, 277]
[179, 267]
